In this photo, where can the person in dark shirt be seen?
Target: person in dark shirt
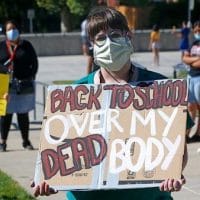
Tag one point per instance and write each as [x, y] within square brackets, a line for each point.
[183, 34]
[19, 58]
[192, 58]
[184, 43]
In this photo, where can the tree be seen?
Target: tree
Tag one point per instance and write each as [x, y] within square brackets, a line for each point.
[66, 8]
[137, 3]
[17, 10]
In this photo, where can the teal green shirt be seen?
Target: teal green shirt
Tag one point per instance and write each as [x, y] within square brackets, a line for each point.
[120, 194]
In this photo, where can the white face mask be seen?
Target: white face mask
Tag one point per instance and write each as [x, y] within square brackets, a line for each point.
[197, 36]
[12, 34]
[113, 55]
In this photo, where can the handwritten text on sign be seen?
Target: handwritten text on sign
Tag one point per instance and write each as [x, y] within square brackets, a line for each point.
[82, 139]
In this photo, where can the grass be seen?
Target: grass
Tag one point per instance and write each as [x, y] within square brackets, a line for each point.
[63, 82]
[11, 190]
[182, 74]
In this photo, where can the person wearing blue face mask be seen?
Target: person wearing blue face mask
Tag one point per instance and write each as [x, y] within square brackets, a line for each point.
[192, 58]
[113, 45]
[20, 60]
[12, 34]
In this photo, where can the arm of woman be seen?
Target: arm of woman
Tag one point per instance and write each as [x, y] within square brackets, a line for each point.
[196, 64]
[34, 60]
[150, 42]
[188, 59]
[43, 189]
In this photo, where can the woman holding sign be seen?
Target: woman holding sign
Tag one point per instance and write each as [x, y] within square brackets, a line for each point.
[19, 58]
[113, 46]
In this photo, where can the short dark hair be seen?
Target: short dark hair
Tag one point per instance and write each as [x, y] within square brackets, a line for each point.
[197, 23]
[10, 21]
[102, 18]
[155, 27]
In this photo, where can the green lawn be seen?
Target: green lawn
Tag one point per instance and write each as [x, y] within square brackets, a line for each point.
[63, 82]
[11, 190]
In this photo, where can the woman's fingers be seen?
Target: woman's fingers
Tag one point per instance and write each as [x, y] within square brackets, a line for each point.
[177, 185]
[163, 185]
[171, 185]
[47, 190]
[52, 191]
[36, 191]
[32, 184]
[43, 189]
[183, 179]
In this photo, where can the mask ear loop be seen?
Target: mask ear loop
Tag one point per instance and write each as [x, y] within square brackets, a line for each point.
[129, 38]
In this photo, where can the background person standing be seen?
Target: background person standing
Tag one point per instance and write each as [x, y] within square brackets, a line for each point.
[154, 44]
[184, 35]
[192, 58]
[20, 59]
[87, 46]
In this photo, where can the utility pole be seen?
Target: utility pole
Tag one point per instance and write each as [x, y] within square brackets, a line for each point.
[31, 15]
[190, 8]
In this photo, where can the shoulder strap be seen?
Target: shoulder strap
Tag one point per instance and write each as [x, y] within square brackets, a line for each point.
[12, 52]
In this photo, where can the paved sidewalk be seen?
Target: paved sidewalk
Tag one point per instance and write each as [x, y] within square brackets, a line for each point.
[20, 164]
[73, 67]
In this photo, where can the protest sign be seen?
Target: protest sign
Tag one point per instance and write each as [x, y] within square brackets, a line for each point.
[4, 81]
[112, 136]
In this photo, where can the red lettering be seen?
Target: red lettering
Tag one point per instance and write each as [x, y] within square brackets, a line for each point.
[79, 149]
[114, 95]
[167, 93]
[147, 101]
[50, 165]
[56, 100]
[93, 98]
[157, 95]
[83, 90]
[74, 98]
[64, 170]
[180, 93]
[84, 148]
[59, 99]
[123, 101]
[141, 93]
[184, 93]
[69, 97]
[94, 158]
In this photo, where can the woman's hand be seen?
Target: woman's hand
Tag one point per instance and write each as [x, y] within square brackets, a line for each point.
[42, 190]
[171, 185]
[173, 29]
[6, 96]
